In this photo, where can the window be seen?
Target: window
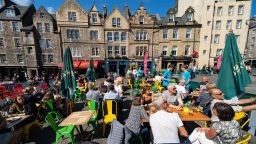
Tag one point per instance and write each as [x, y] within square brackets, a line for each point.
[41, 15]
[208, 8]
[208, 23]
[116, 22]
[117, 50]
[187, 50]
[165, 33]
[19, 58]
[123, 50]
[94, 17]
[17, 42]
[3, 58]
[140, 50]
[49, 43]
[230, 10]
[10, 12]
[218, 52]
[175, 33]
[116, 36]
[95, 51]
[1, 26]
[94, 35]
[123, 36]
[205, 38]
[15, 26]
[141, 19]
[72, 16]
[238, 24]
[253, 39]
[188, 33]
[76, 52]
[229, 24]
[253, 32]
[73, 34]
[164, 51]
[204, 52]
[1, 42]
[30, 50]
[27, 34]
[39, 27]
[141, 35]
[42, 43]
[110, 51]
[47, 27]
[109, 36]
[171, 17]
[50, 58]
[218, 25]
[43, 58]
[216, 39]
[240, 10]
[219, 11]
[190, 17]
[174, 51]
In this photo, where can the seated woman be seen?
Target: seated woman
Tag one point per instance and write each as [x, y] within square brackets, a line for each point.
[118, 87]
[136, 116]
[146, 98]
[226, 130]
[80, 82]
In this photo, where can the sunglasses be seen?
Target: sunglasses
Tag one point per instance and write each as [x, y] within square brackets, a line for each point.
[219, 94]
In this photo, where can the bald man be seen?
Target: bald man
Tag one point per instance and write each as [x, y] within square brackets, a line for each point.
[218, 96]
[204, 82]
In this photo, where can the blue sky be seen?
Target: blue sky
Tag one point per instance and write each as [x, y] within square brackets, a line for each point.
[153, 6]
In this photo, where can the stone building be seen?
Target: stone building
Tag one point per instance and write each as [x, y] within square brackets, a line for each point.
[143, 36]
[17, 41]
[48, 48]
[250, 51]
[179, 39]
[116, 28]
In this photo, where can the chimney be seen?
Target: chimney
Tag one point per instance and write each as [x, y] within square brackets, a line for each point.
[127, 12]
[104, 11]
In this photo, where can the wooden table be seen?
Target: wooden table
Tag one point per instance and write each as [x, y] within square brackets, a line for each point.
[197, 116]
[77, 118]
[14, 123]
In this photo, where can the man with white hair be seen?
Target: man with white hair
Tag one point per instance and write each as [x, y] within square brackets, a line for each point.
[172, 97]
[181, 89]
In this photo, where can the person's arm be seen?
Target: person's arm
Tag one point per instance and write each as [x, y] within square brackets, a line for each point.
[144, 115]
[245, 101]
[176, 107]
[210, 133]
[180, 102]
[183, 131]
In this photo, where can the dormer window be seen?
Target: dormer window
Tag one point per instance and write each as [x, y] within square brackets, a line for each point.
[116, 22]
[10, 13]
[41, 15]
[171, 17]
[72, 16]
[94, 17]
[190, 16]
[141, 19]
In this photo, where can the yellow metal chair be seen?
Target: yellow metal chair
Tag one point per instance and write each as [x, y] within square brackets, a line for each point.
[129, 83]
[111, 113]
[239, 116]
[83, 90]
[246, 139]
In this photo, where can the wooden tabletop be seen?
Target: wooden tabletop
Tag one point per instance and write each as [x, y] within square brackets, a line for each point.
[77, 118]
[196, 116]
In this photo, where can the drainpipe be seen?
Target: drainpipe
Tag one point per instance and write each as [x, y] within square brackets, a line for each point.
[210, 50]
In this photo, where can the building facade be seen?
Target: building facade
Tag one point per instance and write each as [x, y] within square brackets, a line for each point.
[218, 17]
[250, 51]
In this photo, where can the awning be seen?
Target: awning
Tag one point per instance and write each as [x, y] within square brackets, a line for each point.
[76, 64]
[85, 64]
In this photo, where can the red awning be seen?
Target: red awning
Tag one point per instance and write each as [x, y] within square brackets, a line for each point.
[85, 64]
[76, 64]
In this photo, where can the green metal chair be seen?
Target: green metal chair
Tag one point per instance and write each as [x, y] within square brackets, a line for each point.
[78, 94]
[51, 108]
[93, 105]
[67, 131]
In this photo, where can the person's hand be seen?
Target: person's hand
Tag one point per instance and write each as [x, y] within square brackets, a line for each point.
[179, 107]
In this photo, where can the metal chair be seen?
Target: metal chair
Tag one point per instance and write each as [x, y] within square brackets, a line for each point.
[109, 112]
[241, 115]
[246, 139]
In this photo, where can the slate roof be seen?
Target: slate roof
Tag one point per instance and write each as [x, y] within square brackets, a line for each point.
[19, 12]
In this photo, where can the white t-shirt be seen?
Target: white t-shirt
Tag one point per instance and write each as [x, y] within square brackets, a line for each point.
[164, 127]
[181, 90]
[158, 78]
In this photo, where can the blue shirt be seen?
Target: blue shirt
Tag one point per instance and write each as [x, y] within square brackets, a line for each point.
[186, 75]
[111, 96]
[167, 75]
[140, 73]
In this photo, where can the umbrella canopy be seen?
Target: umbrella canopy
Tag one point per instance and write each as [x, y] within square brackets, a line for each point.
[233, 76]
[90, 73]
[68, 81]
[153, 67]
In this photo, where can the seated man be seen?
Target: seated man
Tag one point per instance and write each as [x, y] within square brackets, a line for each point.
[111, 95]
[166, 126]
[204, 82]
[218, 96]
[172, 97]
[92, 94]
[181, 89]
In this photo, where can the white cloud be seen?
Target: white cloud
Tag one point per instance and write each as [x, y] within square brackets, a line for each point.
[23, 2]
[50, 10]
